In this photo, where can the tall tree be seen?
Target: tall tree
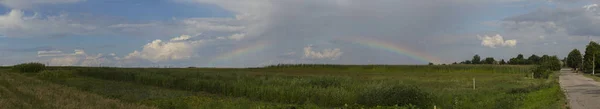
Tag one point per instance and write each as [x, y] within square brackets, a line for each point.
[574, 59]
[502, 62]
[476, 59]
[591, 54]
[489, 60]
[533, 59]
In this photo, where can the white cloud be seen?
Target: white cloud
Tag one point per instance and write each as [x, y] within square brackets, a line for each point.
[237, 36]
[176, 49]
[213, 24]
[79, 52]
[181, 38]
[133, 25]
[495, 41]
[15, 24]
[77, 58]
[25, 4]
[56, 53]
[591, 7]
[64, 61]
[189, 26]
[325, 54]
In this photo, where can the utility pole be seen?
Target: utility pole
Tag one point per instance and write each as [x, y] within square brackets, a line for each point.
[594, 64]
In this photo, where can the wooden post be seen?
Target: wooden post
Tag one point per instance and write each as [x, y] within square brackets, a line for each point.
[473, 83]
[434, 107]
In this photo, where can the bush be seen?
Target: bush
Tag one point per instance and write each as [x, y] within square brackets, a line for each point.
[396, 96]
[542, 72]
[33, 67]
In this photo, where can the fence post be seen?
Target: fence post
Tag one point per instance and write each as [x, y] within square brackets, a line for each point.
[473, 83]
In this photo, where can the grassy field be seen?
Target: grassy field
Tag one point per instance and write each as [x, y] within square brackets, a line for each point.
[20, 92]
[317, 86]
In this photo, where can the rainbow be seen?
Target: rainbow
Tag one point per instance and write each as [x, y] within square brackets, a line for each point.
[395, 48]
[241, 51]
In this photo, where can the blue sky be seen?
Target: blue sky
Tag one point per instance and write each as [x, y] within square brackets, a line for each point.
[139, 10]
[143, 33]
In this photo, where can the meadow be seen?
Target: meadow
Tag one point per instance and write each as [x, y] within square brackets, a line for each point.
[21, 92]
[316, 86]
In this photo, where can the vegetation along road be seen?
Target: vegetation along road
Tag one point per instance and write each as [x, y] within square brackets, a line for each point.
[582, 92]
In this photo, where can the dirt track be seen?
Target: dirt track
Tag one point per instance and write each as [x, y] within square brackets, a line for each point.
[582, 92]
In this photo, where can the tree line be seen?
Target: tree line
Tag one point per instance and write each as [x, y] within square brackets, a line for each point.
[586, 62]
[519, 60]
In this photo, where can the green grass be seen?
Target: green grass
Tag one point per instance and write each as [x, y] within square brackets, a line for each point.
[156, 96]
[550, 96]
[20, 92]
[339, 85]
[317, 86]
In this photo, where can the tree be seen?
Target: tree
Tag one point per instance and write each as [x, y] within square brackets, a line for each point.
[430, 63]
[591, 51]
[476, 59]
[554, 63]
[468, 62]
[520, 56]
[519, 60]
[533, 59]
[502, 62]
[489, 60]
[545, 58]
[574, 59]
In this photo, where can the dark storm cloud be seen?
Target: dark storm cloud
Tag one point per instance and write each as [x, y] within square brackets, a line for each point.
[295, 24]
[576, 21]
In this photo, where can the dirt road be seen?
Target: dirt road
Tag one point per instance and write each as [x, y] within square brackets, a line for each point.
[582, 92]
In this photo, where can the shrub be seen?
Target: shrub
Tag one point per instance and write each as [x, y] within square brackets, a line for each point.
[542, 72]
[33, 67]
[396, 95]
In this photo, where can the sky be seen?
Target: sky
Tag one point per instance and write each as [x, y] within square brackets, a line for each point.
[254, 33]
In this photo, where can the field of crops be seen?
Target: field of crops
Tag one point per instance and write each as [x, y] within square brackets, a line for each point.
[317, 86]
